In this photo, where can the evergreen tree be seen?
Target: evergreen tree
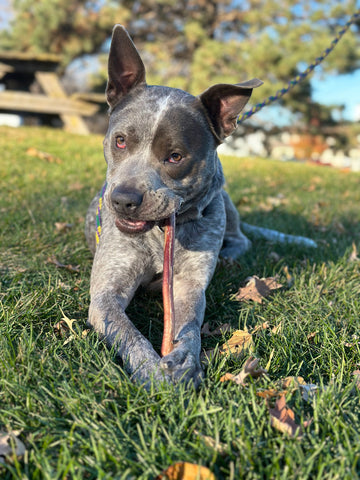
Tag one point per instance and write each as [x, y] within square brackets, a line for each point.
[192, 44]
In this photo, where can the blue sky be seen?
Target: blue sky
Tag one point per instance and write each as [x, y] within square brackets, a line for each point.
[328, 89]
[339, 90]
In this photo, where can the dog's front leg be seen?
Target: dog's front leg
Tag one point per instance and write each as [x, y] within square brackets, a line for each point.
[183, 363]
[114, 281]
[195, 262]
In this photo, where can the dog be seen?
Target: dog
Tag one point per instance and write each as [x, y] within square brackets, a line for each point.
[160, 149]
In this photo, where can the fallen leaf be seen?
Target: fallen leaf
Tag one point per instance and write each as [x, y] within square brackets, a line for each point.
[250, 368]
[85, 332]
[61, 328]
[48, 157]
[240, 341]
[63, 227]
[310, 188]
[308, 391]
[289, 277]
[311, 336]
[354, 254]
[70, 268]
[277, 329]
[224, 328]
[283, 418]
[257, 289]
[186, 471]
[219, 447]
[292, 382]
[227, 376]
[76, 186]
[6, 447]
[271, 393]
[356, 374]
[258, 328]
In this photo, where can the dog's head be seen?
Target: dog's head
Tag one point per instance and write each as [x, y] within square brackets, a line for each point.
[161, 143]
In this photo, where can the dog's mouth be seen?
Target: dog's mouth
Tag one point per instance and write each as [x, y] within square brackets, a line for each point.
[133, 226]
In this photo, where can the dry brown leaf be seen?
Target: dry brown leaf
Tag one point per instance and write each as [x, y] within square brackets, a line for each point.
[48, 157]
[271, 393]
[70, 268]
[240, 341]
[257, 289]
[250, 368]
[289, 277]
[206, 332]
[186, 471]
[283, 418]
[258, 328]
[311, 336]
[6, 448]
[354, 254]
[63, 227]
[61, 328]
[356, 374]
[76, 186]
[277, 329]
[294, 382]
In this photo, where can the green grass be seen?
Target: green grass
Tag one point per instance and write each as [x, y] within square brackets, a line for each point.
[79, 415]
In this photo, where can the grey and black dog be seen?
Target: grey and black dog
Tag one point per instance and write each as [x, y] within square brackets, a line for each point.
[160, 150]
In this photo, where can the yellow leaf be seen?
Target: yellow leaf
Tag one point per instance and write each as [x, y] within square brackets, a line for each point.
[292, 381]
[261, 327]
[240, 342]
[69, 322]
[186, 471]
[277, 329]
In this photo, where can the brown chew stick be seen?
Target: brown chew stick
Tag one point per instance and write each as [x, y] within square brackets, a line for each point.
[167, 286]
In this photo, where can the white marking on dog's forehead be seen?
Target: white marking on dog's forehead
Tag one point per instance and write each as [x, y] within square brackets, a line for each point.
[160, 108]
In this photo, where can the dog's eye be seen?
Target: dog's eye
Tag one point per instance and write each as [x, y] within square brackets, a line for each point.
[175, 158]
[120, 142]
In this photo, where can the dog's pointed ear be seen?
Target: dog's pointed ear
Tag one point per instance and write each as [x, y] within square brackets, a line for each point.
[125, 67]
[224, 102]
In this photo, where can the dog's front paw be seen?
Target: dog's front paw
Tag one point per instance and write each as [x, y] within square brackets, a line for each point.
[181, 365]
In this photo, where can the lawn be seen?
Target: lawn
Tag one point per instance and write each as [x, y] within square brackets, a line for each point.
[66, 397]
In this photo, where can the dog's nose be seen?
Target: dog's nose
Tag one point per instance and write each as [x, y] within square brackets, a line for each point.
[125, 201]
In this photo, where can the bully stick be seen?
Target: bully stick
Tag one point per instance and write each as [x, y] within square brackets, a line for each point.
[167, 286]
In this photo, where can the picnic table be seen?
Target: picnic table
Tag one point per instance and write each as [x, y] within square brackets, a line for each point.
[31, 85]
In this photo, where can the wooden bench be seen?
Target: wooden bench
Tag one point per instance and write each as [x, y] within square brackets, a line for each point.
[32, 86]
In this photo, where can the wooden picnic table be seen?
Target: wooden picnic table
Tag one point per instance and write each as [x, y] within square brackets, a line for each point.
[31, 85]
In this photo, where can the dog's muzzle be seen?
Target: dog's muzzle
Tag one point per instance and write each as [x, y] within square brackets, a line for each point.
[138, 212]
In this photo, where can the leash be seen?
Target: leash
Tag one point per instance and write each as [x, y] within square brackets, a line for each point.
[299, 78]
[98, 215]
